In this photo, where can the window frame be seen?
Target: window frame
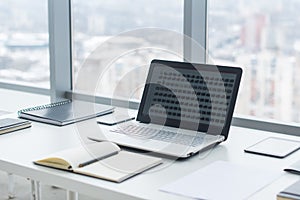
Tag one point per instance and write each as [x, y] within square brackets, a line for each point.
[29, 89]
[61, 72]
[195, 11]
[60, 47]
[60, 43]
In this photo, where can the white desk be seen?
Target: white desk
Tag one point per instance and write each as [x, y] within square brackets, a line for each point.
[19, 149]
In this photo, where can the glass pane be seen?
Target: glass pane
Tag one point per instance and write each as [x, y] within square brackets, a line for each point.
[262, 37]
[105, 23]
[24, 57]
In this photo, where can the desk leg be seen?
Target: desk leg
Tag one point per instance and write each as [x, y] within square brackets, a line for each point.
[35, 190]
[72, 195]
[38, 190]
[11, 186]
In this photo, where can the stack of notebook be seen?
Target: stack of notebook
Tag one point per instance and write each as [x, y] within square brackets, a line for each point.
[9, 124]
[290, 193]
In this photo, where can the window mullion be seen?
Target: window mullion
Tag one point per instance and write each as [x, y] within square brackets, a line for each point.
[195, 30]
[60, 47]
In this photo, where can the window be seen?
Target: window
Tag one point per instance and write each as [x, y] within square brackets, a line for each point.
[24, 57]
[99, 23]
[261, 37]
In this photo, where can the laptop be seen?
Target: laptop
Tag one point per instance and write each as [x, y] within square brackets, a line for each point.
[185, 108]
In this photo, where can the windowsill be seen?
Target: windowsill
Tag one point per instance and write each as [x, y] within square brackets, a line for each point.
[270, 121]
[16, 100]
[13, 100]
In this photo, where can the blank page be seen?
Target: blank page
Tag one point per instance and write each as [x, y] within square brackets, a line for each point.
[222, 180]
[120, 167]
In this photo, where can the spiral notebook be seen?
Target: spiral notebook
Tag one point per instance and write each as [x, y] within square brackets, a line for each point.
[65, 112]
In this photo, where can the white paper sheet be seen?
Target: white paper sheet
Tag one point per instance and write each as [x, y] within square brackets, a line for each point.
[222, 180]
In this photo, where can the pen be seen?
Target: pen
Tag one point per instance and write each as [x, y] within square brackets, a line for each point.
[125, 120]
[115, 122]
[97, 159]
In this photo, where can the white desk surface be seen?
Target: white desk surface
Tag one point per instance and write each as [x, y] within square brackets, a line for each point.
[19, 149]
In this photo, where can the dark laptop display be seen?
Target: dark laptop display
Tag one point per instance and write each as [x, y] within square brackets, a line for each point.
[198, 97]
[185, 108]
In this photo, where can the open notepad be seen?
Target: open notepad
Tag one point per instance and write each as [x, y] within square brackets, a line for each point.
[104, 160]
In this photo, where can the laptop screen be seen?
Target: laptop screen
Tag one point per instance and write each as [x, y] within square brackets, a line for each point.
[198, 97]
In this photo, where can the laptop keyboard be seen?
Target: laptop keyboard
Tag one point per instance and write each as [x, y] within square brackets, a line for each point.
[160, 135]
